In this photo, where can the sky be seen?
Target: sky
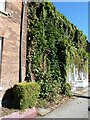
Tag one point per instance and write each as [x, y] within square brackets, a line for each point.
[76, 13]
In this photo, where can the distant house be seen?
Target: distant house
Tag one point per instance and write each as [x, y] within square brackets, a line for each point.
[79, 78]
[10, 36]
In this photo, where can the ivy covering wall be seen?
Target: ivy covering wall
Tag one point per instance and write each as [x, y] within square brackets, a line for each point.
[53, 45]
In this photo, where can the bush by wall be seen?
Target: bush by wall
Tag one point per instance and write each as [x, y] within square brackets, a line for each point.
[25, 95]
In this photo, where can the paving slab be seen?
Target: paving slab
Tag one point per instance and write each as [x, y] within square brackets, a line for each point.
[43, 111]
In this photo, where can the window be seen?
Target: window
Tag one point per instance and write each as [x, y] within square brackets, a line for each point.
[2, 5]
[1, 44]
[1, 48]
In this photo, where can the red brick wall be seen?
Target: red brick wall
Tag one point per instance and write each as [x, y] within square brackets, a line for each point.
[10, 30]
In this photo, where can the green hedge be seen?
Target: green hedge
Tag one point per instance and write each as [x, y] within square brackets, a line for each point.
[25, 95]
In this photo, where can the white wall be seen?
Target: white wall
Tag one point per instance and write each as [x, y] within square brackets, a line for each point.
[76, 78]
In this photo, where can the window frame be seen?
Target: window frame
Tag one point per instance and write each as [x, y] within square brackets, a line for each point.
[1, 49]
[4, 4]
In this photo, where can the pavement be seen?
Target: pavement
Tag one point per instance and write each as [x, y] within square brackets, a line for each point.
[75, 108]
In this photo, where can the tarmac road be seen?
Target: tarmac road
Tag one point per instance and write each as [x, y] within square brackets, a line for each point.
[77, 108]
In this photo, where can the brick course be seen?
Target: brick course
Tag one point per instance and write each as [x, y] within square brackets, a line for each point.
[10, 31]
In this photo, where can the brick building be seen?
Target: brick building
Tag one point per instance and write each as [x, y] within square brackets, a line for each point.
[10, 26]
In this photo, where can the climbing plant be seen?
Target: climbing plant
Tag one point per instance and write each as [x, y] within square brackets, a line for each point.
[53, 44]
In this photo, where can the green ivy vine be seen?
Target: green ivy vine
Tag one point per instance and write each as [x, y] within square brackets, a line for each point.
[53, 44]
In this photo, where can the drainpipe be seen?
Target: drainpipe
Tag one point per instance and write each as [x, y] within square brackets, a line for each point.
[20, 48]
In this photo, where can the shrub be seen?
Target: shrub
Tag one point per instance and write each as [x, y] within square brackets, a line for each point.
[68, 89]
[41, 103]
[49, 88]
[25, 95]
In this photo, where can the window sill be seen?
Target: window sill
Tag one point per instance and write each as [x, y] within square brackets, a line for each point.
[5, 13]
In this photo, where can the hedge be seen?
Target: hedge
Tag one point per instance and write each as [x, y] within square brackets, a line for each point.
[25, 95]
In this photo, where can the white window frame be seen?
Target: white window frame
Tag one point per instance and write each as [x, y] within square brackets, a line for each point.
[1, 43]
[1, 49]
[2, 5]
